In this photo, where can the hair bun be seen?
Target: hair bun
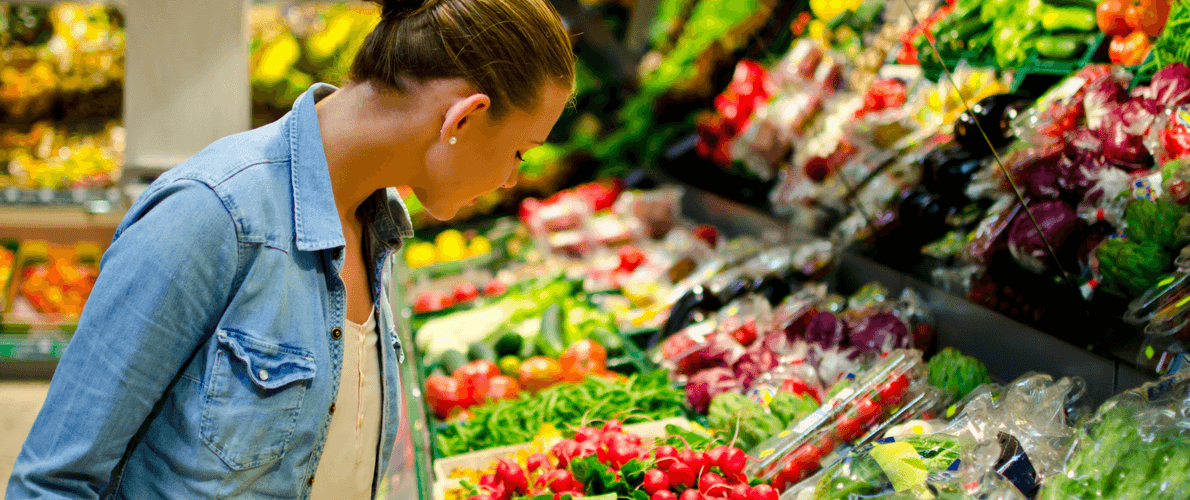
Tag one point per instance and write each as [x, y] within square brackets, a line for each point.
[398, 8]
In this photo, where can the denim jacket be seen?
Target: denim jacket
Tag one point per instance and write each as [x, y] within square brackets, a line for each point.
[208, 356]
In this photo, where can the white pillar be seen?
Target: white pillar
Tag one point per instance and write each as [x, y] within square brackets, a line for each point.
[187, 78]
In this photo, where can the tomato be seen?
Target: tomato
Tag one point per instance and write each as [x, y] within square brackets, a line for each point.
[745, 334]
[446, 395]
[1153, 15]
[707, 233]
[465, 292]
[431, 301]
[1132, 15]
[582, 358]
[848, 428]
[799, 387]
[807, 457]
[630, 258]
[502, 387]
[1178, 191]
[494, 288]
[1110, 15]
[540, 372]
[868, 411]
[476, 375]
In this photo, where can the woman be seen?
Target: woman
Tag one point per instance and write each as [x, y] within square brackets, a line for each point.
[228, 348]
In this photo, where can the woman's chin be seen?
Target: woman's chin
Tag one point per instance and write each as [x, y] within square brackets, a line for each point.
[443, 213]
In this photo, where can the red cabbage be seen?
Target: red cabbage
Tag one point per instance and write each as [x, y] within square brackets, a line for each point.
[1103, 95]
[719, 350]
[1170, 86]
[881, 332]
[1123, 135]
[754, 363]
[826, 330]
[1057, 220]
[706, 384]
[1082, 174]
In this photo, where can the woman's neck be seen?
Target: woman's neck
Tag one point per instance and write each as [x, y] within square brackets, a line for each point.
[371, 141]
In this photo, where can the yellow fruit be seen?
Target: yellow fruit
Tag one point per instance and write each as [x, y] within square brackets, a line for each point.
[449, 236]
[420, 254]
[479, 246]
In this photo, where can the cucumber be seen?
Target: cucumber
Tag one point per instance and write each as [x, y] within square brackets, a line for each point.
[611, 341]
[481, 351]
[1069, 18]
[1060, 46]
[549, 340]
[508, 343]
[452, 360]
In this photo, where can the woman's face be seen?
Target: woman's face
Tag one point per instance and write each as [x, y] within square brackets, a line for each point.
[485, 153]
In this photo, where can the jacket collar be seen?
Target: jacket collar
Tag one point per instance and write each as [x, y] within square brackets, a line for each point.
[315, 220]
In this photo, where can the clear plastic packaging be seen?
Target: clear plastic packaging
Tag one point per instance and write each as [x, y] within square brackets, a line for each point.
[1135, 446]
[888, 393]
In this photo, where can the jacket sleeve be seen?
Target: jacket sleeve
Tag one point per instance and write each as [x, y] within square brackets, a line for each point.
[163, 285]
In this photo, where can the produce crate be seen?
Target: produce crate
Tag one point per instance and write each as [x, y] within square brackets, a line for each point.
[20, 315]
[1038, 66]
[443, 467]
[33, 347]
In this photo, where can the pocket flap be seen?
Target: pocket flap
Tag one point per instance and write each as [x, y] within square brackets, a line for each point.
[270, 366]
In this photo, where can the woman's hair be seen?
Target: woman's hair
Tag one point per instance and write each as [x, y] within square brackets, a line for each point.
[507, 49]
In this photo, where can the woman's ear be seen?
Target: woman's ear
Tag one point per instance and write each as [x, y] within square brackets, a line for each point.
[461, 115]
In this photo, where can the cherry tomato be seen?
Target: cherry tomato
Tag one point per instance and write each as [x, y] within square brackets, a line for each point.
[848, 428]
[807, 457]
[868, 411]
[465, 292]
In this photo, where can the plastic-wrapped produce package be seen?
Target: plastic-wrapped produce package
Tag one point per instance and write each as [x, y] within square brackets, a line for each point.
[1136, 446]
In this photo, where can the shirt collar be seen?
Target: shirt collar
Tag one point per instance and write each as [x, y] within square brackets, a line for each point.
[316, 222]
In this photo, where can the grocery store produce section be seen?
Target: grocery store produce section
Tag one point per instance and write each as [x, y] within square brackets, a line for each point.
[835, 249]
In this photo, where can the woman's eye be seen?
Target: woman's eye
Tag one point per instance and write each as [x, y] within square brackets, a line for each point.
[518, 156]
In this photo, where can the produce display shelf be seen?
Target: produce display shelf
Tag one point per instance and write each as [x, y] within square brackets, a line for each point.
[1007, 347]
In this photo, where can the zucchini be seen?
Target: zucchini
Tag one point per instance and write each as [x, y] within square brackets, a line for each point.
[611, 341]
[1089, 4]
[481, 351]
[549, 340]
[508, 343]
[452, 360]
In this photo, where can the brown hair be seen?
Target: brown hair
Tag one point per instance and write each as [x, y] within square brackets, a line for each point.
[507, 49]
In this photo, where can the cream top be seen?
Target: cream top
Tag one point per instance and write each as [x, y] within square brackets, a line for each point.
[348, 463]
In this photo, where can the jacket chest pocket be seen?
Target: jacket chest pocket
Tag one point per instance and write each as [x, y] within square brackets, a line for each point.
[253, 395]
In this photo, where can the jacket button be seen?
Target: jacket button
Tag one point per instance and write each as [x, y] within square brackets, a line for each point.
[310, 482]
[337, 333]
[332, 409]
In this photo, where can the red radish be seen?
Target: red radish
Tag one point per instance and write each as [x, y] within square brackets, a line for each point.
[585, 449]
[613, 425]
[572, 494]
[681, 474]
[733, 461]
[690, 494]
[537, 461]
[512, 475]
[713, 485]
[763, 492]
[482, 496]
[663, 495]
[621, 452]
[740, 492]
[715, 455]
[501, 492]
[628, 437]
[666, 455]
[488, 481]
[564, 451]
[557, 480]
[655, 481]
[697, 460]
[736, 477]
[465, 292]
[584, 434]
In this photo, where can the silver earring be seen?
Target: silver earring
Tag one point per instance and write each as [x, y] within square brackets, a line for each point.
[453, 140]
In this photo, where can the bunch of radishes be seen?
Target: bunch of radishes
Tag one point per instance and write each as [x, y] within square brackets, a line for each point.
[668, 474]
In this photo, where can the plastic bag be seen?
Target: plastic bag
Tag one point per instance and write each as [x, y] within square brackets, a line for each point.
[890, 392]
[1136, 446]
[658, 209]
